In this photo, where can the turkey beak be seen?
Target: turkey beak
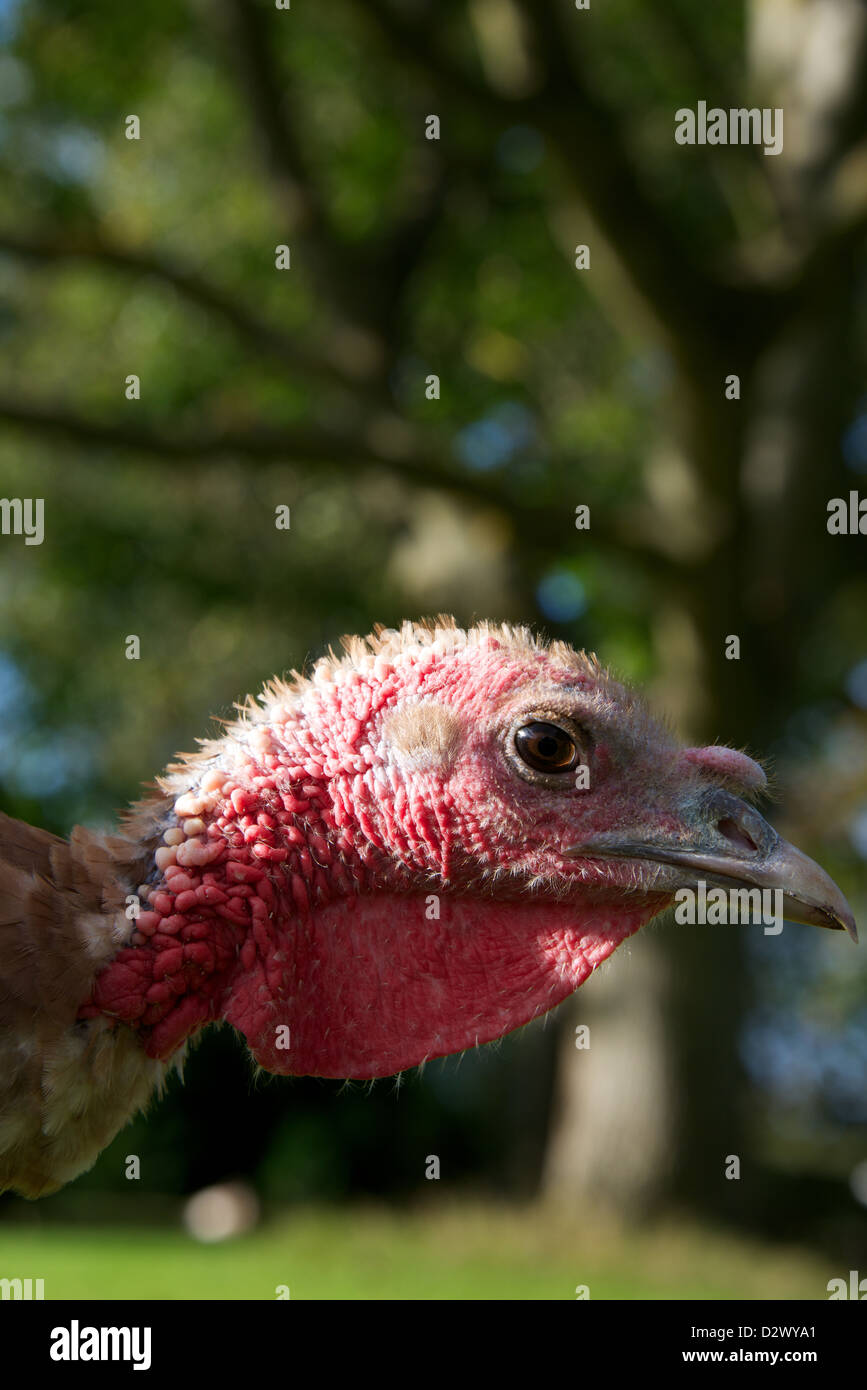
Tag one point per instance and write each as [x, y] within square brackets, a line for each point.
[809, 894]
[733, 846]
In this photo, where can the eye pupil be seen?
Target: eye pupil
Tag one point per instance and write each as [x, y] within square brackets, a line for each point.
[546, 747]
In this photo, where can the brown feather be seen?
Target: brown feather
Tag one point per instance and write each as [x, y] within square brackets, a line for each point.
[66, 1087]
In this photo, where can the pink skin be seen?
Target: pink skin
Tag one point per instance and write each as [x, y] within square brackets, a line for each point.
[304, 901]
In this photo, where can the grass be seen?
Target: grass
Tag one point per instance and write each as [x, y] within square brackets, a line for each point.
[431, 1252]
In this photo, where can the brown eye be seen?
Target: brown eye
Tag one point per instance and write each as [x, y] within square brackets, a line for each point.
[546, 747]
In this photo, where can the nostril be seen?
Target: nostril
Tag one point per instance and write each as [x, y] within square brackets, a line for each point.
[736, 834]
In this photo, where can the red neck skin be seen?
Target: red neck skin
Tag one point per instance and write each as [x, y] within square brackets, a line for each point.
[277, 916]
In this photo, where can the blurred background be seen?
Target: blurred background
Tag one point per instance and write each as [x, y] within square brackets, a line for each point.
[433, 387]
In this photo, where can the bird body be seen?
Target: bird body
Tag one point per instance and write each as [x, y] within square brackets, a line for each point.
[417, 848]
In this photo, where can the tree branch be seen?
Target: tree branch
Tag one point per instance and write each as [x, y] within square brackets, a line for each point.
[264, 89]
[416, 41]
[367, 281]
[299, 443]
[697, 310]
[838, 242]
[266, 338]
[535, 526]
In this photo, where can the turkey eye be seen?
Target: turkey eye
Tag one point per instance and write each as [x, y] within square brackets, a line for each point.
[546, 747]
